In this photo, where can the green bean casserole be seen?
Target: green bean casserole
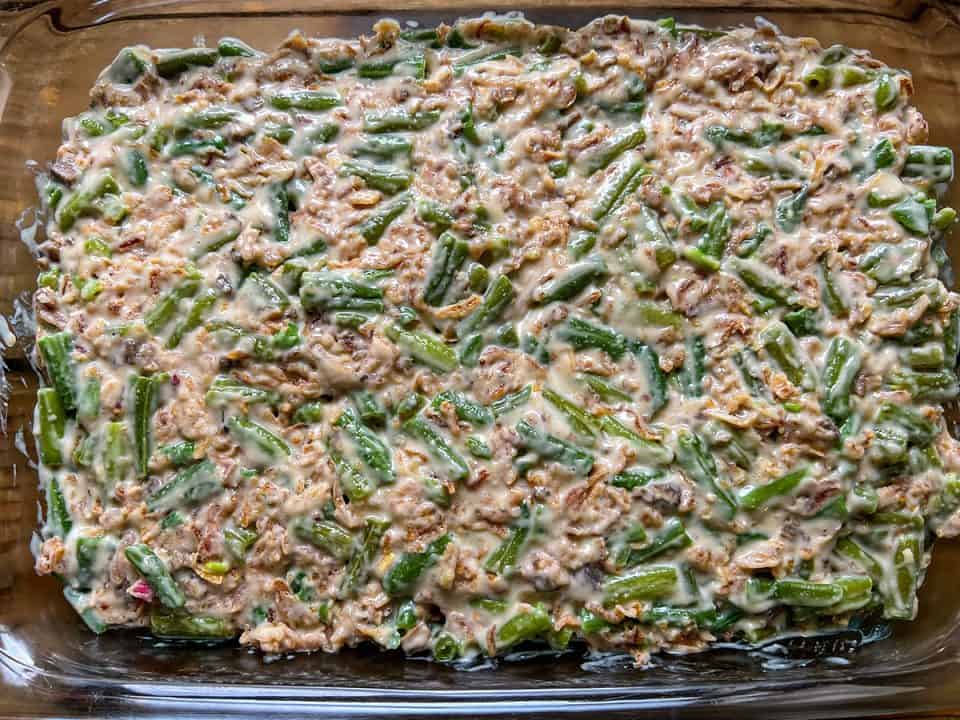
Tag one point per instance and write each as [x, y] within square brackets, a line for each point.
[459, 338]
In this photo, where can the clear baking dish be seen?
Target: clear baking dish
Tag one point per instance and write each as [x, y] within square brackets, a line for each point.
[52, 666]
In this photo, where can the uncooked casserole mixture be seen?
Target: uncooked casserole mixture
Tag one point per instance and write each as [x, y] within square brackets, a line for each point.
[461, 338]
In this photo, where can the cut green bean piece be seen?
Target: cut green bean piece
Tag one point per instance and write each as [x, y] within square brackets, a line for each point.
[841, 367]
[802, 593]
[673, 537]
[528, 625]
[498, 296]
[56, 351]
[466, 408]
[376, 224]
[649, 584]
[551, 448]
[182, 626]
[438, 448]
[424, 348]
[575, 280]
[145, 391]
[326, 535]
[399, 121]
[761, 495]
[506, 555]
[59, 523]
[782, 347]
[267, 446]
[328, 290]
[224, 390]
[370, 448]
[616, 145]
[190, 486]
[385, 179]
[356, 571]
[695, 458]
[401, 579]
[164, 311]
[448, 256]
[309, 100]
[51, 421]
[155, 572]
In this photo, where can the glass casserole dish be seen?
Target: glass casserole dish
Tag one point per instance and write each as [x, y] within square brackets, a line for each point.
[45, 646]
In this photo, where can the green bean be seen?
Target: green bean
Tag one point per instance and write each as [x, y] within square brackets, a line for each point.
[700, 259]
[182, 626]
[118, 453]
[632, 478]
[387, 180]
[173, 62]
[384, 146]
[56, 350]
[694, 367]
[438, 448]
[758, 496]
[484, 56]
[510, 402]
[424, 348]
[82, 201]
[466, 409]
[498, 296]
[448, 255]
[377, 69]
[326, 535]
[421, 35]
[371, 449]
[929, 162]
[584, 336]
[574, 281]
[198, 147]
[767, 133]
[655, 377]
[376, 224]
[163, 312]
[782, 347]
[649, 584]
[849, 548]
[356, 571]
[506, 555]
[232, 47]
[180, 453]
[224, 390]
[399, 120]
[551, 448]
[840, 370]
[478, 448]
[190, 486]
[145, 390]
[309, 100]
[750, 246]
[674, 537]
[763, 280]
[802, 322]
[621, 183]
[402, 577]
[582, 422]
[328, 290]
[59, 523]
[886, 93]
[907, 563]
[251, 435]
[194, 318]
[128, 66]
[616, 145]
[527, 625]
[833, 296]
[155, 572]
[789, 210]
[135, 167]
[435, 216]
[802, 593]
[694, 457]
[51, 421]
[581, 244]
[604, 389]
[648, 450]
[939, 386]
